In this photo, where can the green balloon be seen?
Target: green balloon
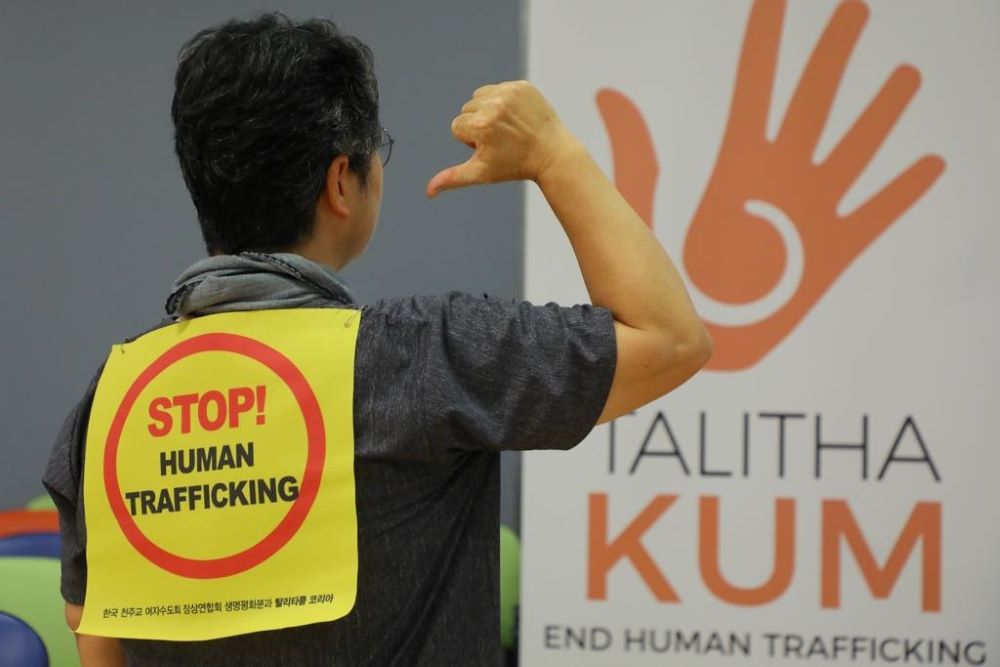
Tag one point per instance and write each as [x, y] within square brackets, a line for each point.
[30, 591]
[42, 502]
[510, 585]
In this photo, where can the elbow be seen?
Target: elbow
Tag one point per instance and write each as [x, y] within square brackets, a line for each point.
[693, 350]
[652, 364]
[686, 355]
[705, 346]
[74, 613]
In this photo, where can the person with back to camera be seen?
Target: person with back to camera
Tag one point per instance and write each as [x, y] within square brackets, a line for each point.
[279, 141]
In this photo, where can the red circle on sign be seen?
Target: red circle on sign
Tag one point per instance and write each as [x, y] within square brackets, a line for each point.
[213, 568]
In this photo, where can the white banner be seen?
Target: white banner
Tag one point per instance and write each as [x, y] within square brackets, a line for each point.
[826, 176]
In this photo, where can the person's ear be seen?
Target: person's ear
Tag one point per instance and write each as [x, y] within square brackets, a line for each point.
[337, 189]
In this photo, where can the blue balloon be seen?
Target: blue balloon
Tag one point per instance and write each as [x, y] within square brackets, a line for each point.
[30, 544]
[19, 644]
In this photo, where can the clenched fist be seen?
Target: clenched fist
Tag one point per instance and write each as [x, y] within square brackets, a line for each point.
[514, 132]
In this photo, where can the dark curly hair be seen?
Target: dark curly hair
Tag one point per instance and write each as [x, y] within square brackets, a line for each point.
[260, 110]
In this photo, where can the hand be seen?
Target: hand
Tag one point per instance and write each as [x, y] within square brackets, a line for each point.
[514, 132]
[769, 211]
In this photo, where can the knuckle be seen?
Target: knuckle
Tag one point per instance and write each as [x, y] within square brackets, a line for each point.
[482, 90]
[492, 106]
[520, 87]
[459, 128]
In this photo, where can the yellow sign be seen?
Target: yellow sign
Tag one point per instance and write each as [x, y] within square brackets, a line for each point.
[219, 477]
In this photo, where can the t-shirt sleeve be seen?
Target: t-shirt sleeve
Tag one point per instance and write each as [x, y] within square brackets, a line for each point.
[63, 479]
[503, 375]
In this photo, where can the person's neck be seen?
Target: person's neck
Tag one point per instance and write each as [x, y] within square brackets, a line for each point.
[330, 255]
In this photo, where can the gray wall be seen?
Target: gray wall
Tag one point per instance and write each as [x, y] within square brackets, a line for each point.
[95, 219]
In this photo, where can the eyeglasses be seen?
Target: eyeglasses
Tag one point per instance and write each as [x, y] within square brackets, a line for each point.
[385, 148]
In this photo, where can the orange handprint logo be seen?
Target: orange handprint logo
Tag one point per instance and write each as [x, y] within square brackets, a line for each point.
[766, 240]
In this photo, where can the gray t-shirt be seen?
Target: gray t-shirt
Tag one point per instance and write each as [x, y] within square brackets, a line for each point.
[442, 385]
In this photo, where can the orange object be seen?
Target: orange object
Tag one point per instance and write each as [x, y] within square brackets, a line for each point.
[736, 257]
[17, 522]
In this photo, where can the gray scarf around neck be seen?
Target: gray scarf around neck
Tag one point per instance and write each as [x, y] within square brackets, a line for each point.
[255, 281]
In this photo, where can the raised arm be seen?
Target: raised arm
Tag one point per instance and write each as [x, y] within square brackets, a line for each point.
[516, 135]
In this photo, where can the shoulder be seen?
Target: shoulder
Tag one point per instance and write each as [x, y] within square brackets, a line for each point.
[471, 312]
[458, 324]
[491, 373]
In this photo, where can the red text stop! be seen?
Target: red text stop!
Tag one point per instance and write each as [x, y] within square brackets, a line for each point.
[212, 409]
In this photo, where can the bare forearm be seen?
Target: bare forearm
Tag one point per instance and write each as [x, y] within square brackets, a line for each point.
[625, 268]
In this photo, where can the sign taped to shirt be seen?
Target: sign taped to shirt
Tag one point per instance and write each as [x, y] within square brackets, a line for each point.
[219, 477]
